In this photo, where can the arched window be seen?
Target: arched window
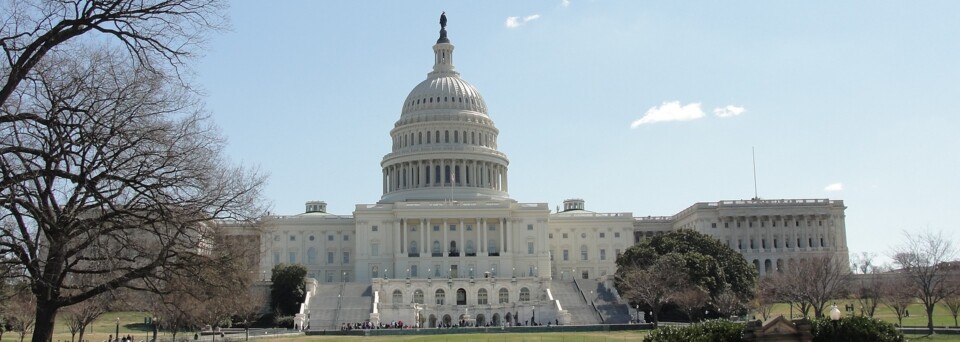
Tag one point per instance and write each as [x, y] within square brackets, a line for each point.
[440, 296]
[446, 136]
[419, 138]
[418, 296]
[524, 294]
[504, 295]
[482, 296]
[436, 248]
[397, 297]
[461, 297]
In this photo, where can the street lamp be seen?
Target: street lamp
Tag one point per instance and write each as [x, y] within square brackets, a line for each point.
[117, 336]
[834, 313]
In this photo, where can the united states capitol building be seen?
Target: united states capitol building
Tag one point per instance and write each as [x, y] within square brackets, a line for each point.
[446, 244]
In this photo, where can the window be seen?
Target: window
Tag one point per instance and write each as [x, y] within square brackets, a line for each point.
[453, 227]
[617, 253]
[503, 296]
[329, 237]
[413, 271]
[564, 235]
[550, 235]
[583, 252]
[375, 249]
[529, 227]
[293, 238]
[346, 257]
[763, 243]
[418, 296]
[373, 229]
[491, 227]
[713, 225]
[397, 297]
[583, 235]
[375, 271]
[440, 296]
[482, 296]
[524, 294]
[726, 225]
[276, 238]
[293, 257]
[616, 235]
[469, 228]
[821, 242]
[566, 255]
[329, 258]
[603, 235]
[436, 228]
[346, 237]
[603, 254]
[585, 274]
[530, 247]
[739, 244]
[311, 237]
[312, 256]
[276, 258]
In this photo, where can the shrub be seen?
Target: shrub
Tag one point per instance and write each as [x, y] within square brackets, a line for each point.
[855, 329]
[284, 321]
[710, 331]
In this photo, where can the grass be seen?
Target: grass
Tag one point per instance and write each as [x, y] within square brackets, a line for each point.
[510, 337]
[918, 316]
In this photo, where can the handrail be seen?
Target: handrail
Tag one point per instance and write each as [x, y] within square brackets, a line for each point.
[336, 317]
[577, 284]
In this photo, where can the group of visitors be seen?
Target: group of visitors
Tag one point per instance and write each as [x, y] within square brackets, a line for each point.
[128, 338]
[367, 325]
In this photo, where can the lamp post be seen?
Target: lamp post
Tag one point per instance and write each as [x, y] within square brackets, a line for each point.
[117, 336]
[638, 313]
[834, 313]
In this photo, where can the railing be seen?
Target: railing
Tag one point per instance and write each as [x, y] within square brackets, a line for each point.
[577, 284]
[336, 317]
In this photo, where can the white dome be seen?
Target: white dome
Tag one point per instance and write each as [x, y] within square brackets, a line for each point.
[444, 92]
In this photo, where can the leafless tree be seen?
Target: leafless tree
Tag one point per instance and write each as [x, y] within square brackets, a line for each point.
[691, 300]
[863, 263]
[157, 34]
[22, 312]
[654, 286]
[924, 260]
[952, 303]
[897, 293]
[813, 283]
[80, 315]
[728, 303]
[765, 298]
[116, 174]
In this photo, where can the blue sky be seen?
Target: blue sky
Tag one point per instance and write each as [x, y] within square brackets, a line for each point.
[852, 100]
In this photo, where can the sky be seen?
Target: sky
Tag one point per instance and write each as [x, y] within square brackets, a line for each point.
[634, 106]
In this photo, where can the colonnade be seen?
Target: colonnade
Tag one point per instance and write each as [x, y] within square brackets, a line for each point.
[468, 236]
[444, 173]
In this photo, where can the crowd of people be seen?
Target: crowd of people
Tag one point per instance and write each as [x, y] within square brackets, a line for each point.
[367, 325]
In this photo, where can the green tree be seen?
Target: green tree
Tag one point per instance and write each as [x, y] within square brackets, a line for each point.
[709, 264]
[288, 288]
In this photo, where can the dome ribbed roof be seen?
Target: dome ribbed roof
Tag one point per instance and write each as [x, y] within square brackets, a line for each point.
[444, 92]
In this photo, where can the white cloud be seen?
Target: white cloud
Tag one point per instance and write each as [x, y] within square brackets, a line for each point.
[670, 111]
[565, 3]
[514, 22]
[834, 187]
[728, 111]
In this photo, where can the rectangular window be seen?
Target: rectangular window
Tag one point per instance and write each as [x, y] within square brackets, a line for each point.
[413, 270]
[346, 237]
[329, 237]
[726, 225]
[329, 258]
[550, 235]
[763, 243]
[293, 238]
[276, 258]
[346, 257]
[603, 235]
[564, 235]
[616, 235]
[374, 228]
[529, 227]
[603, 254]
[453, 227]
[293, 257]
[713, 225]
[375, 271]
[530, 247]
[436, 228]
[566, 255]
[436, 270]
[617, 253]
[491, 227]
[583, 254]
[374, 249]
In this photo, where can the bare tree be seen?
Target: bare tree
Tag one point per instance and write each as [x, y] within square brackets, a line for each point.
[863, 263]
[117, 174]
[813, 283]
[765, 298]
[22, 312]
[789, 288]
[952, 303]
[156, 33]
[897, 293]
[655, 285]
[80, 315]
[691, 300]
[923, 258]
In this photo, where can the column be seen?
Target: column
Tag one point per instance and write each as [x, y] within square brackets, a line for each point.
[400, 236]
[483, 233]
[479, 228]
[423, 236]
[460, 176]
[505, 184]
[507, 230]
[443, 173]
[443, 243]
[461, 245]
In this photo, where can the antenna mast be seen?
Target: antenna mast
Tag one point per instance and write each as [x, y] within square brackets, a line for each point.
[753, 152]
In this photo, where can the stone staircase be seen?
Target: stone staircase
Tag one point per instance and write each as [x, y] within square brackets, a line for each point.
[613, 309]
[339, 303]
[572, 300]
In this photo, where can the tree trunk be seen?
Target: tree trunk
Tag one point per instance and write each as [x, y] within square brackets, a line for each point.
[43, 327]
[82, 329]
[930, 319]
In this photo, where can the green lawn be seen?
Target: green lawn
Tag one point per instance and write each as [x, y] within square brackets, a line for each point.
[918, 317]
